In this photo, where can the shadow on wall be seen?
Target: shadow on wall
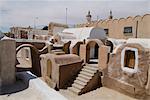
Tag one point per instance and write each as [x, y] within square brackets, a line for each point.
[22, 83]
[36, 68]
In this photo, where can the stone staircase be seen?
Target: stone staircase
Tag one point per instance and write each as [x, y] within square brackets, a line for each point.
[88, 79]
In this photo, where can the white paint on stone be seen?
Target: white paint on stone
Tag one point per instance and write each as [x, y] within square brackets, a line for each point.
[86, 33]
[126, 69]
[142, 41]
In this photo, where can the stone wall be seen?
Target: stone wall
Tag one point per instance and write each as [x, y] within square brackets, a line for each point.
[125, 81]
[7, 62]
[60, 69]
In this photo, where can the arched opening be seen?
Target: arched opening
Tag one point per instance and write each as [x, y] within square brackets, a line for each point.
[24, 58]
[92, 52]
[76, 48]
[110, 44]
[36, 68]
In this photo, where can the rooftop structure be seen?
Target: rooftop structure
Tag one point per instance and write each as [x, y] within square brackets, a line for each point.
[123, 28]
[27, 32]
[89, 17]
[54, 28]
[85, 33]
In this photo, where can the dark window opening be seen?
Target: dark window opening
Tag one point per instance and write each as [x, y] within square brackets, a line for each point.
[129, 59]
[96, 51]
[127, 29]
[106, 30]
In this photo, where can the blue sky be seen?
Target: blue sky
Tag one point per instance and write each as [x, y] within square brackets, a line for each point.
[25, 12]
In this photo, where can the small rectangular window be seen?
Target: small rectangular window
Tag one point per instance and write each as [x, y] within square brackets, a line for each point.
[106, 30]
[127, 29]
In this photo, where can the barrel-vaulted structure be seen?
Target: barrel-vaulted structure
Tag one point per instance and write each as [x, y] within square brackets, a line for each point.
[86, 33]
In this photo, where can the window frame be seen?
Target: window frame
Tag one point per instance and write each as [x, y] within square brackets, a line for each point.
[125, 68]
[127, 28]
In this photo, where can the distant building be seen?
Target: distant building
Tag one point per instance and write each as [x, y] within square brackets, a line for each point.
[54, 28]
[27, 32]
[32, 33]
[130, 27]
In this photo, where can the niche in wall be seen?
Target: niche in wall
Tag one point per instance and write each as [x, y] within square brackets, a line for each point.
[129, 60]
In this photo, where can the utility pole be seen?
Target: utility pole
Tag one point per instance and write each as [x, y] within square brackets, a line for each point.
[34, 26]
[66, 15]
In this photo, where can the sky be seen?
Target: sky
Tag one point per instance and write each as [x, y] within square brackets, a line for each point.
[40, 13]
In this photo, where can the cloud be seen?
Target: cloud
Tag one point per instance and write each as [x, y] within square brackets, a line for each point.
[23, 13]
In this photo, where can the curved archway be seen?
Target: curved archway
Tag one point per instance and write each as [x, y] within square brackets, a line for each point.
[76, 48]
[36, 68]
[92, 48]
[110, 44]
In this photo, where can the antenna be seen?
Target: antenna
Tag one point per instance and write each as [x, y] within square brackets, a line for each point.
[35, 22]
[66, 15]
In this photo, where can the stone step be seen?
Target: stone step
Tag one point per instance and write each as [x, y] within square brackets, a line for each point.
[91, 68]
[89, 71]
[77, 86]
[74, 90]
[84, 76]
[80, 82]
[83, 79]
[92, 65]
[86, 73]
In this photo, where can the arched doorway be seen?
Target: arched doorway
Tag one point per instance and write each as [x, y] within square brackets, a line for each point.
[92, 51]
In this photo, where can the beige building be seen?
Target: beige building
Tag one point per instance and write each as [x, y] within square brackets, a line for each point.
[30, 33]
[130, 27]
[54, 28]
[27, 32]
[19, 31]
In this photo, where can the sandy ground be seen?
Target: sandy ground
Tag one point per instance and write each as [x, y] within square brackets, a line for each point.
[102, 93]
[29, 87]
